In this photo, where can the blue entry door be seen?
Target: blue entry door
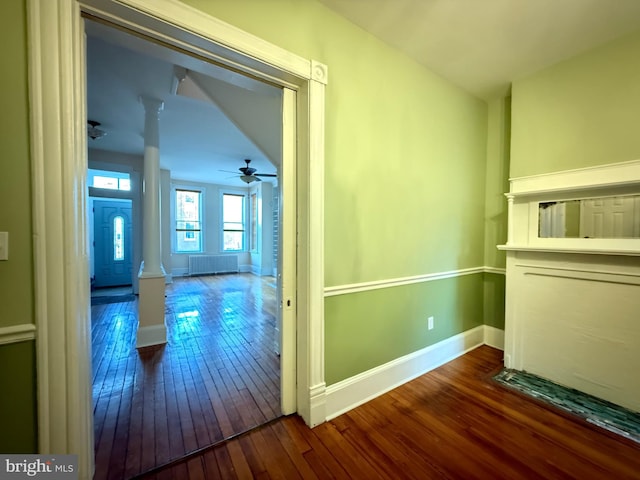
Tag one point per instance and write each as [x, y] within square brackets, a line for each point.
[112, 243]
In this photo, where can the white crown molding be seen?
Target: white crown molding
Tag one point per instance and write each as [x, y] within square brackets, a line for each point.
[17, 333]
[395, 282]
[609, 175]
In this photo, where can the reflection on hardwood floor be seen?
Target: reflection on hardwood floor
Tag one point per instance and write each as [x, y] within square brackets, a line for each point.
[217, 376]
[454, 422]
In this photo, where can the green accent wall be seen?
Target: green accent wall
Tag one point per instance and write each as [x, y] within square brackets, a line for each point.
[367, 329]
[497, 180]
[16, 285]
[405, 149]
[17, 402]
[405, 193]
[406, 156]
[17, 361]
[493, 301]
[579, 113]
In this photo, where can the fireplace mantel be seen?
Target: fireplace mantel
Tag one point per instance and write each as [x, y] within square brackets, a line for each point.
[572, 312]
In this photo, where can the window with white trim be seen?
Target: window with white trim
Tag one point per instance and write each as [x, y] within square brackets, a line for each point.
[233, 222]
[188, 218]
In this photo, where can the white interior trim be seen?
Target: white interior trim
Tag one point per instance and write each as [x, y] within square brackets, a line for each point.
[494, 337]
[612, 174]
[151, 335]
[17, 333]
[395, 282]
[59, 164]
[351, 392]
[61, 266]
[526, 193]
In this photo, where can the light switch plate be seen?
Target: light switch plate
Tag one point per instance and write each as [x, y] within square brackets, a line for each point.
[4, 245]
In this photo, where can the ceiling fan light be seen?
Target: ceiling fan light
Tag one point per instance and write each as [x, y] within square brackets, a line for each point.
[93, 131]
[247, 178]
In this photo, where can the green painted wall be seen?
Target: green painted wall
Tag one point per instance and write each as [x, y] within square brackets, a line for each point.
[493, 299]
[17, 402]
[17, 366]
[371, 328]
[405, 187]
[404, 184]
[497, 180]
[16, 286]
[579, 113]
[405, 150]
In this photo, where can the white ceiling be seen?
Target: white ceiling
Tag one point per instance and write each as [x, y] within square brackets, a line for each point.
[483, 45]
[198, 141]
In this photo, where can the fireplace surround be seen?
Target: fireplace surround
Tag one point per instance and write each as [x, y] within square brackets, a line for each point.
[572, 312]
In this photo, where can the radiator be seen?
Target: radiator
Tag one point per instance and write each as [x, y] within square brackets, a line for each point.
[203, 264]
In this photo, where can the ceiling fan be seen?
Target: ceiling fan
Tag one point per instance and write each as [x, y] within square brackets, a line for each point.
[250, 175]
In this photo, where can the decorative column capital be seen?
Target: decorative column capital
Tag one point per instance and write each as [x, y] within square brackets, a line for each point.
[151, 105]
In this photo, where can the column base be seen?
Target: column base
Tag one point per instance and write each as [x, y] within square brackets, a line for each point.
[151, 335]
[152, 329]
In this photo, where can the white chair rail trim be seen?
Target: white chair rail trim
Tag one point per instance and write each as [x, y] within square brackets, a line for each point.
[17, 333]
[395, 282]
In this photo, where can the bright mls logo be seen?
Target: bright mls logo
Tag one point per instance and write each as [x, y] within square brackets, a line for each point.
[52, 467]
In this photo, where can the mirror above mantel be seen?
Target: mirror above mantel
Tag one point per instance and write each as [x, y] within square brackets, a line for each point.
[586, 218]
[594, 210]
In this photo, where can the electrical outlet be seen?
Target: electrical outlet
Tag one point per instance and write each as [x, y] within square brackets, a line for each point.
[4, 245]
[430, 323]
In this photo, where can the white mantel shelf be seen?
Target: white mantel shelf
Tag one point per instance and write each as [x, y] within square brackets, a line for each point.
[587, 251]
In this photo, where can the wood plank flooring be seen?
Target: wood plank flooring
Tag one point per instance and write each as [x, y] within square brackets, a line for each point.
[217, 376]
[452, 423]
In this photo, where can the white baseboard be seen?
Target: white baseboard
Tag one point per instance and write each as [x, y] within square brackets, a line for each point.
[245, 269]
[151, 335]
[180, 272]
[494, 337]
[347, 394]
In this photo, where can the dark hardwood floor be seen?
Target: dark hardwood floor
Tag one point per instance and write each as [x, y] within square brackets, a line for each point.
[217, 376]
[451, 423]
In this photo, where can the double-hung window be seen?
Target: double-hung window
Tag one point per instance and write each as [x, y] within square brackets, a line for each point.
[233, 222]
[188, 215]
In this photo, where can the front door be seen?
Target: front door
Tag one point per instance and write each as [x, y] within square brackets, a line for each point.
[112, 243]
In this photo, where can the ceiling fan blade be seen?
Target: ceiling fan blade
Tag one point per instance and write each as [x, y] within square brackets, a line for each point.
[265, 175]
[227, 171]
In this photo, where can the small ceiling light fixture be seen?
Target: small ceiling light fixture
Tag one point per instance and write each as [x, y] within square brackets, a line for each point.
[93, 131]
[249, 178]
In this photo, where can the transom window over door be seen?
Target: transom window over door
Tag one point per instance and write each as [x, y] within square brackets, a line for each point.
[188, 214]
[233, 222]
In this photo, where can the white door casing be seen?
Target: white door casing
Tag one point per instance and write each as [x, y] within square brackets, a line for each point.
[57, 90]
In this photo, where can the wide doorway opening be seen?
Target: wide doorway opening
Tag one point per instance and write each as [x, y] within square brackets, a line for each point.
[219, 374]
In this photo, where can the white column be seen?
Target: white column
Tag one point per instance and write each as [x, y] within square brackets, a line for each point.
[151, 234]
[152, 329]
